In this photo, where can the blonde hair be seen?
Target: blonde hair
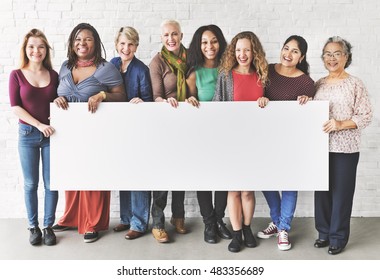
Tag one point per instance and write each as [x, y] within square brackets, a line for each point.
[171, 22]
[259, 62]
[24, 60]
[128, 32]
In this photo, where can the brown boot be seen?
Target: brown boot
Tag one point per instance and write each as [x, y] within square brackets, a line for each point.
[179, 224]
[160, 235]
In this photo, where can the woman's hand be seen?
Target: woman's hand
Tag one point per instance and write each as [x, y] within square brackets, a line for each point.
[47, 130]
[262, 101]
[193, 101]
[61, 102]
[331, 125]
[172, 101]
[303, 99]
[136, 100]
[94, 101]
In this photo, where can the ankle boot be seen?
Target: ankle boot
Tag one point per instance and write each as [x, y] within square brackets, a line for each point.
[236, 241]
[249, 239]
[210, 233]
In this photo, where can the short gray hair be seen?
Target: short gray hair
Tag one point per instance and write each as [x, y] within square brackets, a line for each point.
[346, 46]
[171, 22]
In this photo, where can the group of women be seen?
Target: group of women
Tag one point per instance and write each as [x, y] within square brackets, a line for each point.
[209, 70]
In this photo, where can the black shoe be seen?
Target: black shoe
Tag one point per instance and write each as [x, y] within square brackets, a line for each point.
[58, 228]
[49, 236]
[35, 235]
[90, 237]
[320, 243]
[335, 250]
[236, 242]
[222, 230]
[210, 233]
[249, 239]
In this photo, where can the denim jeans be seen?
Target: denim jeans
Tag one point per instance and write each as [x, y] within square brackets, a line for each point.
[32, 146]
[282, 207]
[134, 209]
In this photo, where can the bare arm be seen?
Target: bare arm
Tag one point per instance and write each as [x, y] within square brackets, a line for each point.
[24, 115]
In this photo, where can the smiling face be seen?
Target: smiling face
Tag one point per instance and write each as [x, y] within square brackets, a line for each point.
[126, 48]
[35, 50]
[209, 45]
[243, 52]
[334, 57]
[84, 44]
[171, 38]
[291, 54]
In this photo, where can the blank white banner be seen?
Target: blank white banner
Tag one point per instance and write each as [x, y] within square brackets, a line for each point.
[219, 146]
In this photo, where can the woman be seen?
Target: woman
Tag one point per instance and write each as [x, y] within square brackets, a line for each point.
[31, 89]
[205, 51]
[134, 205]
[243, 75]
[168, 71]
[87, 77]
[288, 80]
[350, 113]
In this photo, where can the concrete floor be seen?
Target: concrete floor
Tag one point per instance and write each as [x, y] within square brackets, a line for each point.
[364, 244]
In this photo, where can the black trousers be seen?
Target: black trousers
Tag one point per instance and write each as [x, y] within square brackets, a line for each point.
[333, 208]
[209, 212]
[159, 203]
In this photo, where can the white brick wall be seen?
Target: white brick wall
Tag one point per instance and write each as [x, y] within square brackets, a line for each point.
[272, 20]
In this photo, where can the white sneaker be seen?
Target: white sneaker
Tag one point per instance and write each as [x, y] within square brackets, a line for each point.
[270, 231]
[283, 242]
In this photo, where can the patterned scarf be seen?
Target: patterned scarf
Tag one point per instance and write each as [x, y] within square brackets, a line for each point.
[177, 65]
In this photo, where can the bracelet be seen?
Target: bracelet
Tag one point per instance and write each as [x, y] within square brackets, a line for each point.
[103, 93]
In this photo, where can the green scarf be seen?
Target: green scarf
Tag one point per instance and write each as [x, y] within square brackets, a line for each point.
[177, 65]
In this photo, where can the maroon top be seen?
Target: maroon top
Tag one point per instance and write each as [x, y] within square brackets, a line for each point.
[288, 88]
[35, 100]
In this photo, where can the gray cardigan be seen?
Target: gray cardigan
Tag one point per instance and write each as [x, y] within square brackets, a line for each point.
[224, 89]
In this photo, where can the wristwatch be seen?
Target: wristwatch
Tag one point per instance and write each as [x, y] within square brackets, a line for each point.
[103, 94]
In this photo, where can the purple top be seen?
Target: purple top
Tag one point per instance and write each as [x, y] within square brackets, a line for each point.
[288, 88]
[35, 100]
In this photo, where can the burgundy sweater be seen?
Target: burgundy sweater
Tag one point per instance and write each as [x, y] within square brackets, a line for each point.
[282, 88]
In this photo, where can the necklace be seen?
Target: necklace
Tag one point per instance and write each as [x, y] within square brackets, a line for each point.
[85, 63]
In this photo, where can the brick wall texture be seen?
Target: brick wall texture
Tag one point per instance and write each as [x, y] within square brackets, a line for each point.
[272, 20]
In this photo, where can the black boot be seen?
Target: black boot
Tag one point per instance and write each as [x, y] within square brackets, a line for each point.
[236, 242]
[223, 231]
[210, 233]
[249, 239]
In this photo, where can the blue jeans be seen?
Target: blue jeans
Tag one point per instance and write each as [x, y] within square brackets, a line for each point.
[134, 209]
[282, 207]
[33, 145]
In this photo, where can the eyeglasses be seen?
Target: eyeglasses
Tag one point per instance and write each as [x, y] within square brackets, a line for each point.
[337, 55]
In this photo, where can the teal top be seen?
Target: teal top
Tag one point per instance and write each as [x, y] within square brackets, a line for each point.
[205, 80]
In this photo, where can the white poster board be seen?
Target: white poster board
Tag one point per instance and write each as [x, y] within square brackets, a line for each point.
[219, 146]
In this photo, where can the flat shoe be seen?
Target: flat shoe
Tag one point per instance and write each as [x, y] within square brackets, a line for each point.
[121, 227]
[132, 234]
[320, 243]
[334, 250]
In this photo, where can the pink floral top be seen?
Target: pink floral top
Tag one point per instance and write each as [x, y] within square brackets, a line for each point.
[348, 101]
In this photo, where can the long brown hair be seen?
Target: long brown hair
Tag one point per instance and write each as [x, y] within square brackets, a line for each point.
[24, 60]
[259, 62]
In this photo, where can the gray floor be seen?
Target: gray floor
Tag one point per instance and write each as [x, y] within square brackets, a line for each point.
[364, 244]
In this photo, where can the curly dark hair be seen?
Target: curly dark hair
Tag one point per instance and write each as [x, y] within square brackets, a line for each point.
[72, 56]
